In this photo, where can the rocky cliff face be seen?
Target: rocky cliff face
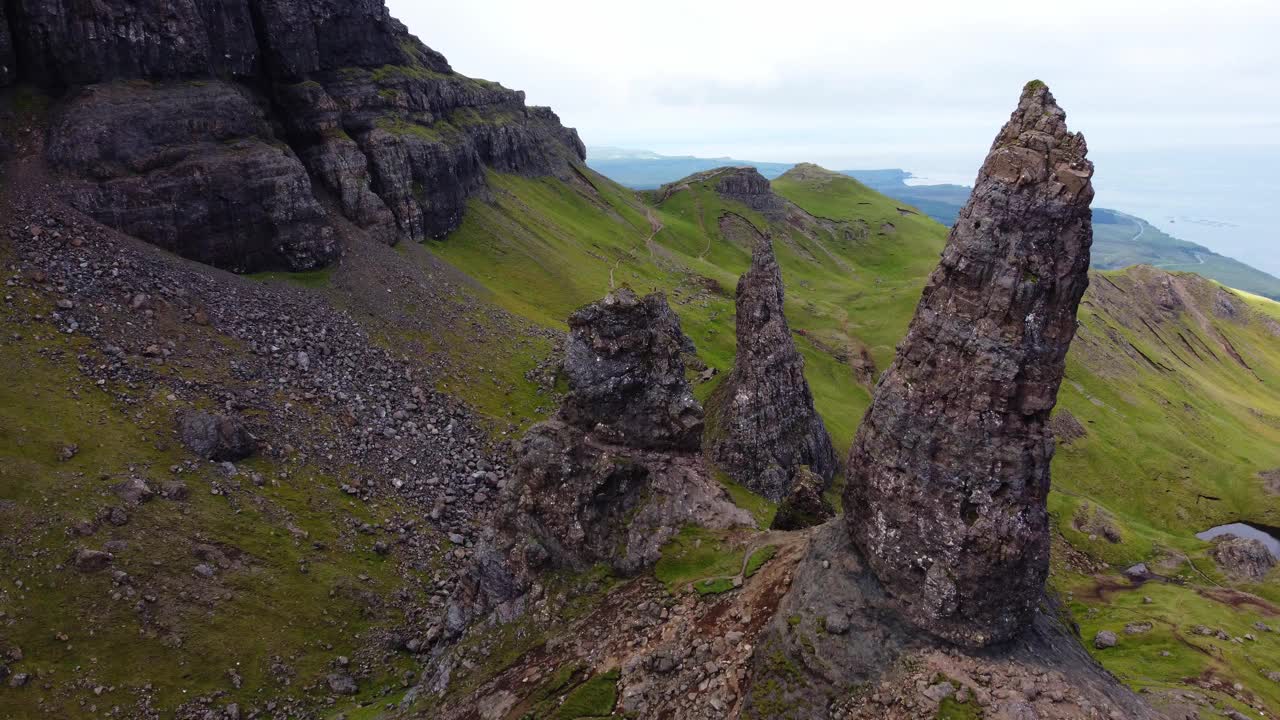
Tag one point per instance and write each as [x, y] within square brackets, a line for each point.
[296, 96]
[949, 473]
[749, 187]
[765, 422]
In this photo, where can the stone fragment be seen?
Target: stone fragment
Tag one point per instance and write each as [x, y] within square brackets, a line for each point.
[1242, 558]
[949, 473]
[215, 437]
[1104, 639]
[87, 560]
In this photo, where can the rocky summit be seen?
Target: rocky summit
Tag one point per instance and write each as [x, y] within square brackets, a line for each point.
[765, 425]
[949, 473]
[214, 129]
[627, 375]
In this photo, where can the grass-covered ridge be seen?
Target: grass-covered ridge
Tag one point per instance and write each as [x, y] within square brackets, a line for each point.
[1174, 379]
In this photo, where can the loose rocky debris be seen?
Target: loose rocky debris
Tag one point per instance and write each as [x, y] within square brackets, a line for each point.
[765, 425]
[294, 380]
[949, 473]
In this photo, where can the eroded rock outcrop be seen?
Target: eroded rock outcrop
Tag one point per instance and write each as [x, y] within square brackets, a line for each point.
[614, 475]
[749, 187]
[1243, 559]
[804, 506]
[626, 374]
[764, 420]
[949, 474]
[334, 91]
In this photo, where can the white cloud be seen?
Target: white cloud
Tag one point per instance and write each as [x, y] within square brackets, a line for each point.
[920, 85]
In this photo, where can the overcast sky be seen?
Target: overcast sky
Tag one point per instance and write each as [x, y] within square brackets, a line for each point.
[918, 85]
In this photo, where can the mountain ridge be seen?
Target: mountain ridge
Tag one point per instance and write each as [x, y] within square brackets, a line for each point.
[1114, 248]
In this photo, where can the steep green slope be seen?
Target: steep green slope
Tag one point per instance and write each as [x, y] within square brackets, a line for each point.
[1169, 412]
[544, 248]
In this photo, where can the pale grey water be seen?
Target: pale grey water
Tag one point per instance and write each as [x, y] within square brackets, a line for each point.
[1246, 530]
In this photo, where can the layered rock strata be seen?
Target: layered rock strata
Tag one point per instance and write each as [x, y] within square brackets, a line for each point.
[765, 423]
[949, 473]
[304, 99]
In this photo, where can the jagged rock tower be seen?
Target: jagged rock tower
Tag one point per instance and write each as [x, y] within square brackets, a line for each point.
[766, 426]
[949, 473]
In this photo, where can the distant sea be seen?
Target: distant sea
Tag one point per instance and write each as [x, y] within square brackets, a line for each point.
[1227, 199]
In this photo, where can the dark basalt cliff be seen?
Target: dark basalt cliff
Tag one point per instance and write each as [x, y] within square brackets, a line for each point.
[217, 128]
[949, 473]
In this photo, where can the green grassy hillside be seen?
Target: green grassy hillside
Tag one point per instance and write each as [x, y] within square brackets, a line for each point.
[545, 247]
[1173, 382]
[1121, 240]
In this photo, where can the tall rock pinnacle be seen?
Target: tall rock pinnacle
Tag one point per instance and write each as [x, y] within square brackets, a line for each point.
[765, 423]
[949, 473]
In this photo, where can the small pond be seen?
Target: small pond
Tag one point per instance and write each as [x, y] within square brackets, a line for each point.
[1268, 536]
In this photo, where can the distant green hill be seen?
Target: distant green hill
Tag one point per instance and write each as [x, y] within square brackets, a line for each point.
[1119, 239]
[644, 170]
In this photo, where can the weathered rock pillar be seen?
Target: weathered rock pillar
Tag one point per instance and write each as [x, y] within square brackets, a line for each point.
[949, 473]
[765, 423]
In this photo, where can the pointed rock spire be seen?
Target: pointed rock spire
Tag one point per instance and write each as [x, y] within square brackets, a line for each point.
[765, 423]
[949, 473]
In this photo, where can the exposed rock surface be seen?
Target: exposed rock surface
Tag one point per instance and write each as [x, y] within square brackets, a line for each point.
[798, 666]
[804, 505]
[749, 187]
[614, 475]
[765, 423]
[8, 71]
[268, 91]
[215, 437]
[1242, 558]
[949, 473]
[194, 169]
[627, 376]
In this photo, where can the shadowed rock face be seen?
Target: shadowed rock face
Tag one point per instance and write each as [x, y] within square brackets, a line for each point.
[626, 374]
[7, 69]
[280, 93]
[765, 421]
[949, 473]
